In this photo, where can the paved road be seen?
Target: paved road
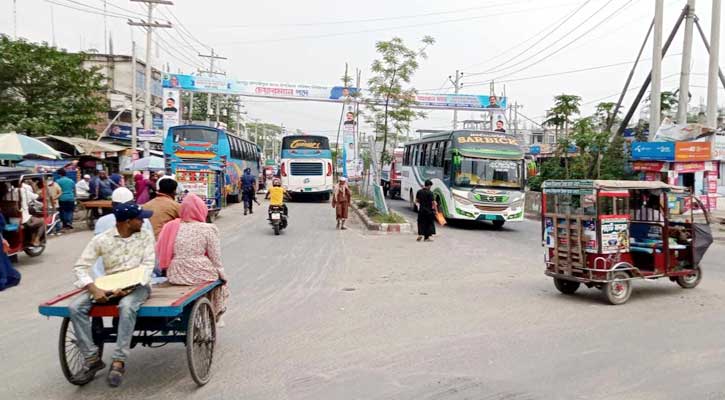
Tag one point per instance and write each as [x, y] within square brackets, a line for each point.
[322, 314]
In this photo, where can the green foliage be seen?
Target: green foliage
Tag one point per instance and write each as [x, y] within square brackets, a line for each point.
[391, 72]
[47, 91]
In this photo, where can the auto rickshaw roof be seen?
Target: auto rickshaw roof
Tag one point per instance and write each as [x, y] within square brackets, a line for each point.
[551, 186]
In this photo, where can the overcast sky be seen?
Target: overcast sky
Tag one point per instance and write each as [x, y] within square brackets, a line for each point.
[310, 41]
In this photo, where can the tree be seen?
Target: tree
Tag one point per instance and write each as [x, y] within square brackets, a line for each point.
[46, 91]
[395, 68]
[668, 101]
[565, 106]
[604, 114]
[553, 118]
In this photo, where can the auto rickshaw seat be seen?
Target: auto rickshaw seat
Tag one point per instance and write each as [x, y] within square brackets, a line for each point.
[10, 209]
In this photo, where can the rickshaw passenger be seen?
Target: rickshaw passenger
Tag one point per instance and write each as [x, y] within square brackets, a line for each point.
[34, 225]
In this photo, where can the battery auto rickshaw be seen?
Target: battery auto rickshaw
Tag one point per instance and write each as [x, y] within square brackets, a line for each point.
[604, 234]
[15, 233]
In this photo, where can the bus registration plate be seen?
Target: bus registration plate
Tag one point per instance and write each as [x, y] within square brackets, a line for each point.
[308, 189]
[489, 217]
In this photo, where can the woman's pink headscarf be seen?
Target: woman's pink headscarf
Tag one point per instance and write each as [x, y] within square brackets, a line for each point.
[193, 209]
[142, 190]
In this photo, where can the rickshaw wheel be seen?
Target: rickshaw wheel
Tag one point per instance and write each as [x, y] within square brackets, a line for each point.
[690, 281]
[200, 341]
[71, 358]
[34, 251]
[619, 289]
[566, 286]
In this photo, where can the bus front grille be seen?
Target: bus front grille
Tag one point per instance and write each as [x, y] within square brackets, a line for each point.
[304, 168]
[490, 208]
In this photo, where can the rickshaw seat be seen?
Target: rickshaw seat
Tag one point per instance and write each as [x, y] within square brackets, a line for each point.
[11, 227]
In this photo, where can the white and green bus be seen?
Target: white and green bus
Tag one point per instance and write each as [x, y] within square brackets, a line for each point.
[476, 175]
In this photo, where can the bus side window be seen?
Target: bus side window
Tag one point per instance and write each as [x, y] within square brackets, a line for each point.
[423, 154]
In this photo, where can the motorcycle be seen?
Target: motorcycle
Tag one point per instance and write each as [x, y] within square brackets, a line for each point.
[277, 218]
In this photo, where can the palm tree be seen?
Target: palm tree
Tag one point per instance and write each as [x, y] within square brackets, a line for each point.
[566, 105]
[556, 120]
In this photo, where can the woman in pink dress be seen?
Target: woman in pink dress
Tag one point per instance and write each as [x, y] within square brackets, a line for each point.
[189, 251]
[142, 188]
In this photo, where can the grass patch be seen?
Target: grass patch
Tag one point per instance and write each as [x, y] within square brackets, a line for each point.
[390, 218]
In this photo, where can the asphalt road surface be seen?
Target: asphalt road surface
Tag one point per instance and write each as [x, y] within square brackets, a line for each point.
[318, 313]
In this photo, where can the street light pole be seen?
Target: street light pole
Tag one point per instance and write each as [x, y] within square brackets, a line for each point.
[656, 92]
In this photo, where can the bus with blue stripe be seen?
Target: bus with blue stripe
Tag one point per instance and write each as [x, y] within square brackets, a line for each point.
[210, 162]
[306, 165]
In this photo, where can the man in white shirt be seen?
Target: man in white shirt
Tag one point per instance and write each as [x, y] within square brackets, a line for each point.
[83, 188]
[33, 224]
[123, 248]
[106, 222]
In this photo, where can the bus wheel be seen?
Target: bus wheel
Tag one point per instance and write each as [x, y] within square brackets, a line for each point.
[498, 224]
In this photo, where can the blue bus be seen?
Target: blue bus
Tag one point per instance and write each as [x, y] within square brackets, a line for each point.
[306, 165]
[209, 162]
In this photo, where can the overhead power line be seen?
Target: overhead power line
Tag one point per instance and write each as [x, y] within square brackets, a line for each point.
[335, 34]
[374, 19]
[89, 11]
[186, 32]
[598, 24]
[540, 35]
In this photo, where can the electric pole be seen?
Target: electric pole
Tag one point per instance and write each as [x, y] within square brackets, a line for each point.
[149, 24]
[134, 137]
[713, 67]
[685, 66]
[211, 72]
[456, 88]
[656, 92]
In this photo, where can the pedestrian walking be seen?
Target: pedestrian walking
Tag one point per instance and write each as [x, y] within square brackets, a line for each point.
[248, 189]
[426, 212]
[341, 199]
[67, 199]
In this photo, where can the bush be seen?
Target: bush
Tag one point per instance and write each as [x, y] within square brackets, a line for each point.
[362, 204]
[390, 218]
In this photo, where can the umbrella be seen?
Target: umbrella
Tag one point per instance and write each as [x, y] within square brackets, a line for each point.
[151, 163]
[16, 147]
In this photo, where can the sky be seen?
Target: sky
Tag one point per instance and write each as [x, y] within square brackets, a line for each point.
[515, 42]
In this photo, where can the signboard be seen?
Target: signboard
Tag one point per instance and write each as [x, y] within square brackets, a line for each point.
[172, 109]
[349, 153]
[487, 144]
[120, 132]
[649, 166]
[615, 235]
[718, 149]
[693, 151]
[682, 167]
[663, 151]
[338, 94]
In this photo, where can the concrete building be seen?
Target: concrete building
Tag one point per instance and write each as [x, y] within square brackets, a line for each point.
[118, 73]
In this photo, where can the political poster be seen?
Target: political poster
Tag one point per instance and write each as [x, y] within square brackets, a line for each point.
[615, 235]
[172, 109]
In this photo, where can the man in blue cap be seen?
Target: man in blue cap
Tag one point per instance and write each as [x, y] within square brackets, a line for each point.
[123, 248]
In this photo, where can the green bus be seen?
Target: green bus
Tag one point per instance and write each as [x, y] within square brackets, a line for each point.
[476, 175]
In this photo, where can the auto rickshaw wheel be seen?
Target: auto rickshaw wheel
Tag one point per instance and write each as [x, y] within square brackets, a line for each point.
[690, 281]
[34, 251]
[566, 286]
[618, 290]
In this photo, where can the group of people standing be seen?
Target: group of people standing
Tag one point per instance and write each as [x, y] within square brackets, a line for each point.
[166, 239]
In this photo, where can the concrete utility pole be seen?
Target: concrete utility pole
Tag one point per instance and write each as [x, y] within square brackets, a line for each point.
[134, 135]
[211, 72]
[456, 88]
[15, 19]
[684, 93]
[656, 92]
[714, 66]
[149, 24]
[191, 107]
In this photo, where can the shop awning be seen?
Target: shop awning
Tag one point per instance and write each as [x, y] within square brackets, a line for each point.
[87, 146]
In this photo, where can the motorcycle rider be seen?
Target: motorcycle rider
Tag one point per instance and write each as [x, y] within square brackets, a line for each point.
[276, 195]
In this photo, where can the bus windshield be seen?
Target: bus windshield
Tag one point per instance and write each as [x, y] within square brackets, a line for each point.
[196, 135]
[475, 172]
